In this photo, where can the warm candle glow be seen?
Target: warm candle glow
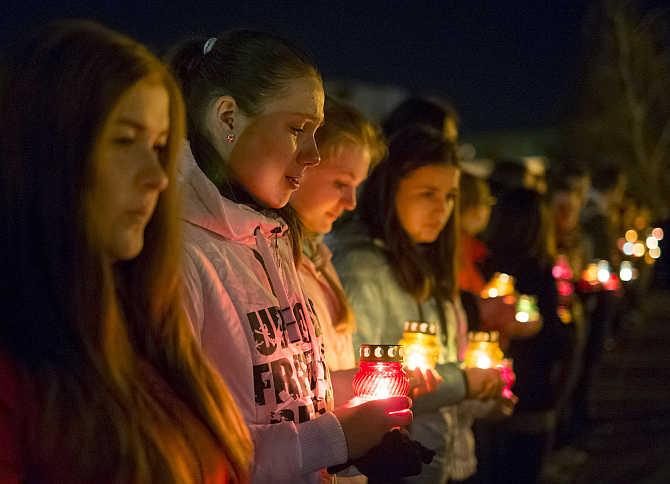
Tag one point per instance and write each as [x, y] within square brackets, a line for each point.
[482, 360]
[526, 309]
[380, 374]
[626, 271]
[420, 343]
[501, 284]
[603, 271]
[483, 350]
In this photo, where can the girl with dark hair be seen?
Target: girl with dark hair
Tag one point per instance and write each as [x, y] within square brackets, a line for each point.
[396, 259]
[101, 379]
[254, 103]
[520, 240]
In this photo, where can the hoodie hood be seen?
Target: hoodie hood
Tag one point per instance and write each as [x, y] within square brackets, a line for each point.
[351, 235]
[204, 206]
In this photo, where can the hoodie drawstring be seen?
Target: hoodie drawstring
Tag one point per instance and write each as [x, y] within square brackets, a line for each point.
[287, 315]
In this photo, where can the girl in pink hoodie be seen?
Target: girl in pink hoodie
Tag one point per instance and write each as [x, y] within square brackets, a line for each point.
[254, 103]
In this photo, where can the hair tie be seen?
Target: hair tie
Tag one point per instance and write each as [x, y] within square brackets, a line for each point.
[208, 45]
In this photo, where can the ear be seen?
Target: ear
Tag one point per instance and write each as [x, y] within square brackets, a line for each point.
[226, 110]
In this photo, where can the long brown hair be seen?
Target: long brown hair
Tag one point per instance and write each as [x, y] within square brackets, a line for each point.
[80, 329]
[252, 67]
[426, 270]
[521, 229]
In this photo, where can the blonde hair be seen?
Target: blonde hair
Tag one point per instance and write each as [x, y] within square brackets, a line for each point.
[345, 126]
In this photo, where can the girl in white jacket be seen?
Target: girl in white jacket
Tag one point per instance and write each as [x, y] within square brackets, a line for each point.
[254, 103]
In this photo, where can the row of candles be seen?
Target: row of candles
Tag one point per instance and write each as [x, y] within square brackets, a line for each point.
[381, 372]
[382, 375]
[646, 247]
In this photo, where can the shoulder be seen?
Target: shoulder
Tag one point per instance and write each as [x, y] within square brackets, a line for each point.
[360, 256]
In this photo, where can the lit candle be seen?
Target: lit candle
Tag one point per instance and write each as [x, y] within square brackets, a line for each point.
[526, 309]
[483, 350]
[500, 285]
[420, 343]
[380, 373]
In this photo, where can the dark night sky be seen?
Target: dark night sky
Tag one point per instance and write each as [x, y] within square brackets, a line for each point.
[505, 64]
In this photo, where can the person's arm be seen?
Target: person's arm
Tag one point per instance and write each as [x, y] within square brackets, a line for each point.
[452, 389]
[366, 287]
[285, 450]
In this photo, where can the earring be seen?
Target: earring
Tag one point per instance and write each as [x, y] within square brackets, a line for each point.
[230, 137]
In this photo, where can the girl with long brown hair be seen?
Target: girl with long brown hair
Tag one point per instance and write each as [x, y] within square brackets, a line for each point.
[101, 378]
[397, 262]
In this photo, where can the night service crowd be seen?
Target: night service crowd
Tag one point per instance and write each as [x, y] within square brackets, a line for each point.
[193, 250]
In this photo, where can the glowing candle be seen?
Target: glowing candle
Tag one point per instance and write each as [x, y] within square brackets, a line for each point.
[380, 373]
[603, 271]
[420, 343]
[483, 350]
[626, 273]
[631, 235]
[526, 309]
[501, 284]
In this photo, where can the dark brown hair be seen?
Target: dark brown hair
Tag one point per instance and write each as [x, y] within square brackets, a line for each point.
[428, 270]
[520, 228]
[79, 328]
[253, 68]
[430, 112]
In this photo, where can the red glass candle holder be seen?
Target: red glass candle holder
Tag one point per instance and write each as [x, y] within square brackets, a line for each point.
[381, 374]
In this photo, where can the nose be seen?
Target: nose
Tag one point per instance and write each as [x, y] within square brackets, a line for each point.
[152, 175]
[309, 153]
[349, 198]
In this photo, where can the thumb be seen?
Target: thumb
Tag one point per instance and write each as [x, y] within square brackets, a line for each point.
[393, 404]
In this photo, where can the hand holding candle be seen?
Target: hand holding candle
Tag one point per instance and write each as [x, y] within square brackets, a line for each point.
[381, 374]
[364, 425]
[421, 347]
[380, 402]
[482, 356]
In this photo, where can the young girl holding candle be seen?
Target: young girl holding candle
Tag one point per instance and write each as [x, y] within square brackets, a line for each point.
[254, 104]
[396, 259]
[101, 379]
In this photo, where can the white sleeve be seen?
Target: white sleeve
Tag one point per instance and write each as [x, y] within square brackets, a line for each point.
[284, 451]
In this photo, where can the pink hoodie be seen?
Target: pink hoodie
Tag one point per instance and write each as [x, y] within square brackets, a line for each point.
[248, 311]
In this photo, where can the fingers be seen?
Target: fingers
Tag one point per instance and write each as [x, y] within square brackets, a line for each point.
[431, 380]
[401, 418]
[393, 404]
